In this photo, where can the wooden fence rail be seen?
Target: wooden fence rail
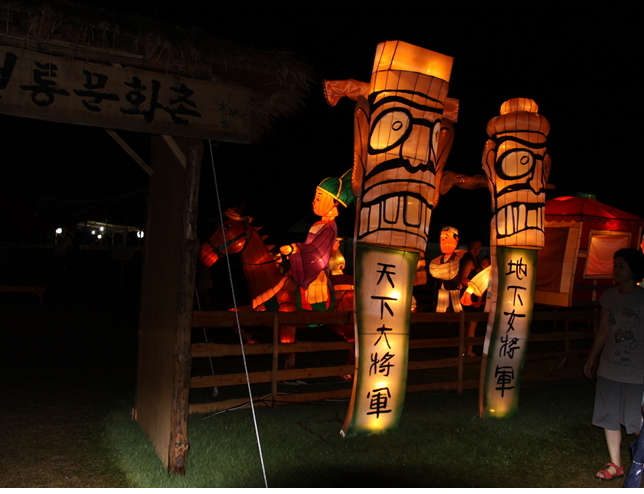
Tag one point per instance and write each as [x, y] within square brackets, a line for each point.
[273, 375]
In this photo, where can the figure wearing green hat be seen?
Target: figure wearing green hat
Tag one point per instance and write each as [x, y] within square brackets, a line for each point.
[310, 260]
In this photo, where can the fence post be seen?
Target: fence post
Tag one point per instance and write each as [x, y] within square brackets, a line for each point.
[276, 332]
[461, 352]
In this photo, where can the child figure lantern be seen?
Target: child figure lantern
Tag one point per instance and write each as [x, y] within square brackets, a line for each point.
[400, 145]
[517, 166]
[446, 267]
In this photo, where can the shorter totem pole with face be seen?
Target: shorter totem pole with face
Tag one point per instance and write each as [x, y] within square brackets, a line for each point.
[401, 142]
[517, 167]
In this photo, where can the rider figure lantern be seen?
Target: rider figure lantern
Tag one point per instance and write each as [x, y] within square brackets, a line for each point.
[400, 145]
[309, 260]
[517, 166]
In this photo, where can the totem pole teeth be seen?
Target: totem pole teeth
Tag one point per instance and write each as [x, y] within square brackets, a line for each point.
[391, 210]
[428, 217]
[515, 218]
[403, 213]
[413, 212]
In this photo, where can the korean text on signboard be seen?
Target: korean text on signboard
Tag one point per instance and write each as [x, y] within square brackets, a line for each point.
[51, 88]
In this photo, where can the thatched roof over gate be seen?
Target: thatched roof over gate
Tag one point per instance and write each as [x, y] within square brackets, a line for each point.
[61, 28]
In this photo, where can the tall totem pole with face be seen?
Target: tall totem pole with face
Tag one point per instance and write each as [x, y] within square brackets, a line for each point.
[402, 138]
[517, 167]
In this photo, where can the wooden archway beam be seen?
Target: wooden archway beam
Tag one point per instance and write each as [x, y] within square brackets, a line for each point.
[146, 168]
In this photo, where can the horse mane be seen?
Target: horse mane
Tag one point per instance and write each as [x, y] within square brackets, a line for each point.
[235, 213]
[260, 268]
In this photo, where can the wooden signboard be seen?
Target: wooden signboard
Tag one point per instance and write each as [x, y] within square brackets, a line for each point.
[46, 87]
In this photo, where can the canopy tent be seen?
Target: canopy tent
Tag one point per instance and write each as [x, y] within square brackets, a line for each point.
[582, 235]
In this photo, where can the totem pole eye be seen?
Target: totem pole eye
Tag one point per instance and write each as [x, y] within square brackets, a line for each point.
[515, 164]
[389, 129]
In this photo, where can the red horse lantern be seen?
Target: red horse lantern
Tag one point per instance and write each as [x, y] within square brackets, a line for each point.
[269, 287]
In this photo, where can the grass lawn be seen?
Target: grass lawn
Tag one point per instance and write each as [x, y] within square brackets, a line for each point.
[440, 443]
[68, 388]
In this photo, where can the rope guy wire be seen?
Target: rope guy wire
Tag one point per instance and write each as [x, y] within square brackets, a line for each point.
[239, 329]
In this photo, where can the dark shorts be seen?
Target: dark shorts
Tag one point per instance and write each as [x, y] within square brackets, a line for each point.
[618, 404]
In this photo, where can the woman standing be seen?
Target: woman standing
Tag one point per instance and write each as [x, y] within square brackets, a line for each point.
[620, 375]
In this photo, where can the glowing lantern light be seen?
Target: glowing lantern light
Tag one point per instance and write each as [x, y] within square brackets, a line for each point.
[401, 142]
[313, 262]
[517, 166]
[310, 260]
[446, 267]
[477, 286]
[265, 281]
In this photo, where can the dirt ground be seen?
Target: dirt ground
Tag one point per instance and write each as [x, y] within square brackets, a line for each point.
[65, 364]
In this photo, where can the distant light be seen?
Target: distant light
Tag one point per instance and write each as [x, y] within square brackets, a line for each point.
[59, 231]
[587, 195]
[93, 232]
[102, 228]
[99, 236]
[140, 234]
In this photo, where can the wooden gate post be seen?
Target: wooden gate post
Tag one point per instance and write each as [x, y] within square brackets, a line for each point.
[169, 265]
[179, 443]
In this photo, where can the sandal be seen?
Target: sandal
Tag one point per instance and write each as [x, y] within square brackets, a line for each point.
[609, 476]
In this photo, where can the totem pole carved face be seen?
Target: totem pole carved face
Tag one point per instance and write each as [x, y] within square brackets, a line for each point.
[398, 145]
[517, 166]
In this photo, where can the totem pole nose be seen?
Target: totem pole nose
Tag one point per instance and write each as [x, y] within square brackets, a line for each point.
[536, 181]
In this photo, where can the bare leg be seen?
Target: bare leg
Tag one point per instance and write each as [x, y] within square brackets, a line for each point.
[613, 442]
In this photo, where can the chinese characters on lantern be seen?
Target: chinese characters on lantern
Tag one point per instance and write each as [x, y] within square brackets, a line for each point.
[513, 318]
[43, 86]
[381, 377]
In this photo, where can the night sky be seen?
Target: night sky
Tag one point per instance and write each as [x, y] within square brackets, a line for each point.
[579, 66]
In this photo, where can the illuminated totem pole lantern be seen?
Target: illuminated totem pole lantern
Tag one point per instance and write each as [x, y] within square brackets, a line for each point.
[401, 143]
[517, 166]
